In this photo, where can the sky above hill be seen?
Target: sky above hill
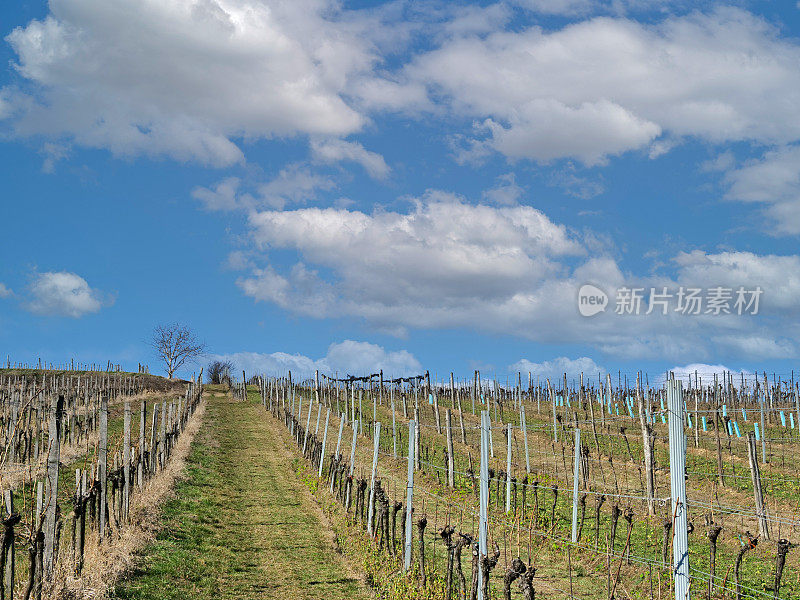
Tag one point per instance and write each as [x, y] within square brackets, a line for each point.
[531, 185]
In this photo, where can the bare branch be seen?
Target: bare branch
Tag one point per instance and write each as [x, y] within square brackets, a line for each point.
[175, 344]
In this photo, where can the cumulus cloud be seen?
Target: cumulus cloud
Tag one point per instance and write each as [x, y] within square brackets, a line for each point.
[447, 263]
[294, 184]
[333, 150]
[99, 75]
[555, 369]
[703, 374]
[607, 85]
[774, 181]
[222, 196]
[346, 357]
[778, 276]
[445, 257]
[62, 294]
[5, 292]
[506, 191]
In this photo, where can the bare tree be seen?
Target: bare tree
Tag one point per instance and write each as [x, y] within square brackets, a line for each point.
[219, 370]
[175, 344]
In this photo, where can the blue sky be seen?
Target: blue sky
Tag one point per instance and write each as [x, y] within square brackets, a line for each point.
[349, 186]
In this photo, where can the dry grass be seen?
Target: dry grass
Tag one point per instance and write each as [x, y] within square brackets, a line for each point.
[106, 563]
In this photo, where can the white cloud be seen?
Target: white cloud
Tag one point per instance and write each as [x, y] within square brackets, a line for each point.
[703, 373]
[362, 357]
[507, 191]
[294, 184]
[185, 78]
[221, 197]
[559, 7]
[555, 369]
[778, 276]
[774, 181]
[62, 294]
[5, 292]
[53, 153]
[346, 357]
[334, 150]
[443, 256]
[608, 85]
[506, 270]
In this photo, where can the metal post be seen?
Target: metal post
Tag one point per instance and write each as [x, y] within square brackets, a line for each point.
[677, 475]
[324, 441]
[796, 406]
[372, 480]
[483, 528]
[576, 478]
[412, 429]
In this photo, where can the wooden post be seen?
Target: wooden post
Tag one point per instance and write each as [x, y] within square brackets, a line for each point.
[553, 402]
[755, 476]
[508, 468]
[126, 459]
[451, 481]
[140, 465]
[763, 429]
[647, 447]
[436, 412]
[417, 451]
[8, 576]
[162, 436]
[12, 429]
[51, 493]
[352, 461]
[525, 437]
[308, 424]
[342, 419]
[474, 389]
[394, 423]
[153, 442]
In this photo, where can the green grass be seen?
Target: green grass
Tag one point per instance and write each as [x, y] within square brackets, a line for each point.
[241, 525]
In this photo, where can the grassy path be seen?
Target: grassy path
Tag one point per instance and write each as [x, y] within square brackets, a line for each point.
[241, 525]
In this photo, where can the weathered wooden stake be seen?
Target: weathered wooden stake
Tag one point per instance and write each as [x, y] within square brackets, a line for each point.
[755, 476]
[51, 494]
